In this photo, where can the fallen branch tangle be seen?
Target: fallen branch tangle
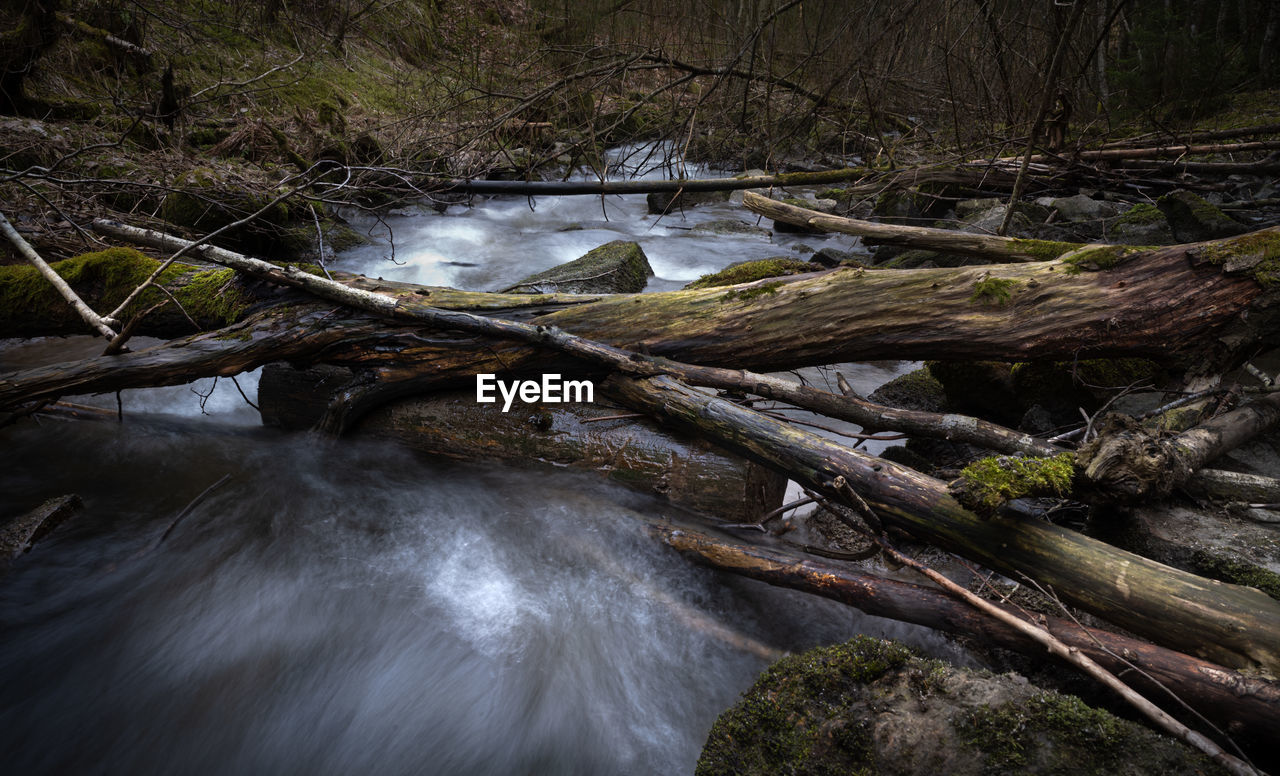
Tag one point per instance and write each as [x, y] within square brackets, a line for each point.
[1235, 626]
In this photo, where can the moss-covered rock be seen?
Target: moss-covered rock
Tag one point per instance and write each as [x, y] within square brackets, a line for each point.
[1193, 219]
[1142, 224]
[205, 200]
[748, 271]
[916, 390]
[618, 267]
[873, 707]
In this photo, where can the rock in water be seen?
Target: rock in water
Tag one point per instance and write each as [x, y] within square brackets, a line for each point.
[871, 706]
[618, 267]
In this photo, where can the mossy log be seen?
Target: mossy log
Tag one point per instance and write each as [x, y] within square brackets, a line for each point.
[1233, 625]
[1155, 303]
[1192, 305]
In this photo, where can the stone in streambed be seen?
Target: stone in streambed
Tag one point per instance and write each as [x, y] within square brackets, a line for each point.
[872, 706]
[618, 267]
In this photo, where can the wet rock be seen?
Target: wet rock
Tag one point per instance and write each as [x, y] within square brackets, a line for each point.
[1142, 224]
[618, 267]
[661, 202]
[917, 390]
[1084, 208]
[871, 706]
[831, 257]
[1192, 219]
[1224, 545]
[730, 226]
[969, 207]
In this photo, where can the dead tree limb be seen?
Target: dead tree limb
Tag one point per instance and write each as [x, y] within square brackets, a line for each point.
[1130, 464]
[926, 238]
[1234, 625]
[98, 323]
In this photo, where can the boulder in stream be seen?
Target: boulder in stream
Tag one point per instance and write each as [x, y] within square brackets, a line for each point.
[662, 202]
[618, 267]
[872, 706]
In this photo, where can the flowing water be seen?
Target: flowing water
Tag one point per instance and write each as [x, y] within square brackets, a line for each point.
[338, 608]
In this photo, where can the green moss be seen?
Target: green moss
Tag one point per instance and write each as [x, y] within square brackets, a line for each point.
[615, 267]
[986, 484]
[1101, 258]
[1236, 572]
[750, 271]
[1003, 733]
[107, 277]
[214, 294]
[1142, 214]
[1258, 252]
[993, 291]
[747, 294]
[1044, 250]
[769, 730]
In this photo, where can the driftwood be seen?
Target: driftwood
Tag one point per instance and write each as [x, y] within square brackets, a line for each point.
[19, 532]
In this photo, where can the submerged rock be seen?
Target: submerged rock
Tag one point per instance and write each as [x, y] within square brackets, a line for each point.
[661, 202]
[871, 706]
[618, 267]
[1084, 208]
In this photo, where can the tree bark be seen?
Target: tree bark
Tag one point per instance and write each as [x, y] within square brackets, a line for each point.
[1233, 625]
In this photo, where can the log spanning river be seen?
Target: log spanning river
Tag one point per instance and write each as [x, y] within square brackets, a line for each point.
[349, 607]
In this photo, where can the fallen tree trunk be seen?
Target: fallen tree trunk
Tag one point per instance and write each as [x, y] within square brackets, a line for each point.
[644, 186]
[1236, 702]
[1146, 597]
[1233, 625]
[1138, 305]
[1152, 303]
[1150, 152]
[924, 238]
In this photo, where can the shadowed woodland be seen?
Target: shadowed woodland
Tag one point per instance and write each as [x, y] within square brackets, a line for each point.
[1067, 211]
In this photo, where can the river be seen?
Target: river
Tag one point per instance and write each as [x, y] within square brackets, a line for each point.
[350, 607]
